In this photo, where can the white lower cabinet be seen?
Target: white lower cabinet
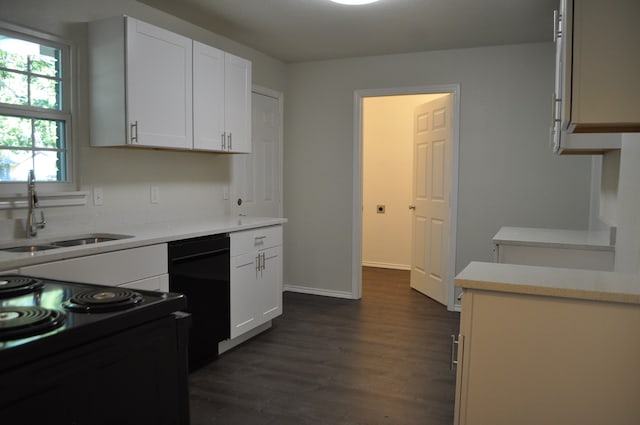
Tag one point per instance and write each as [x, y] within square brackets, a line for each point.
[256, 278]
[156, 283]
[574, 249]
[530, 360]
[144, 267]
[573, 258]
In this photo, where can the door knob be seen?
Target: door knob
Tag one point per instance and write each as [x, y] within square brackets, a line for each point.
[412, 207]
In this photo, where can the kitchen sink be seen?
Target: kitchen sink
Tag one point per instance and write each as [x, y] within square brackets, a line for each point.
[88, 239]
[29, 248]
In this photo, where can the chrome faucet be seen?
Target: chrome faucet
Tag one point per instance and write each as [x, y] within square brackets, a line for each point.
[32, 225]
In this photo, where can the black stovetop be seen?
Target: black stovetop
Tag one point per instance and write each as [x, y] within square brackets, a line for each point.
[39, 317]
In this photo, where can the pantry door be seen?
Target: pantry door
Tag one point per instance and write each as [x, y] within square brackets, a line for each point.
[256, 185]
[432, 198]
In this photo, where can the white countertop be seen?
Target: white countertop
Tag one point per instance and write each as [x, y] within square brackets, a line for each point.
[558, 238]
[143, 234]
[552, 282]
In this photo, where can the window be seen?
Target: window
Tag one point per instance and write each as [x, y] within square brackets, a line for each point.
[35, 110]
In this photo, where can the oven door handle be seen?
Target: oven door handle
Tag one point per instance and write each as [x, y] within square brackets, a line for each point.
[199, 255]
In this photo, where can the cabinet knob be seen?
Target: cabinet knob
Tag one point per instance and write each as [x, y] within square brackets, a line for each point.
[412, 207]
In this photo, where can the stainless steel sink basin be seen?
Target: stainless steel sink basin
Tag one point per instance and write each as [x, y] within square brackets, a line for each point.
[88, 239]
[29, 248]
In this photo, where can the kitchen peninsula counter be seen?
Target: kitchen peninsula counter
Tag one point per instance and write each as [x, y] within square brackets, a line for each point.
[547, 345]
[552, 282]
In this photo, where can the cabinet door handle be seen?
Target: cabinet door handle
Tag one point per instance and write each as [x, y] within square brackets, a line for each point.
[230, 142]
[134, 135]
[412, 207]
[264, 262]
[554, 109]
[454, 352]
[222, 143]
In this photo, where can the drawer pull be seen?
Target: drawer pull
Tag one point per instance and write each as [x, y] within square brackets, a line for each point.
[453, 361]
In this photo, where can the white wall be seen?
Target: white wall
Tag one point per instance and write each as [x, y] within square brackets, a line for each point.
[387, 156]
[508, 175]
[627, 257]
[191, 184]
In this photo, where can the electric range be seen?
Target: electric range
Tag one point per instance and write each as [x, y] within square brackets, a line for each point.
[64, 343]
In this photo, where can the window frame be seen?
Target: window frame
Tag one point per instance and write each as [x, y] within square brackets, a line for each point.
[65, 114]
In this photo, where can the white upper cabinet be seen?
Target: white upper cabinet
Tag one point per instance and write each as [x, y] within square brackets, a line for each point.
[151, 87]
[141, 85]
[597, 88]
[221, 100]
[237, 103]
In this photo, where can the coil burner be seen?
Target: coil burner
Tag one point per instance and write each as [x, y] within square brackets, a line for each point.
[12, 286]
[103, 300]
[22, 322]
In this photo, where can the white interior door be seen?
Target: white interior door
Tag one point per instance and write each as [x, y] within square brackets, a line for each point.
[257, 177]
[431, 198]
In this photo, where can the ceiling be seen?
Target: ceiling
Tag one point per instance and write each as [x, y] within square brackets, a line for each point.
[307, 30]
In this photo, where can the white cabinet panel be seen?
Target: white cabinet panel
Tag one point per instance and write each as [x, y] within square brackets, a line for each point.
[111, 268]
[238, 103]
[244, 274]
[573, 258]
[222, 100]
[256, 278]
[208, 98]
[156, 283]
[530, 360]
[141, 85]
[159, 86]
[596, 88]
[151, 87]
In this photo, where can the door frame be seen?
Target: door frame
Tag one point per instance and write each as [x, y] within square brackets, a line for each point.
[356, 221]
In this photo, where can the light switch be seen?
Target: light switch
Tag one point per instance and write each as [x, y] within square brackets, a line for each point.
[97, 196]
[155, 195]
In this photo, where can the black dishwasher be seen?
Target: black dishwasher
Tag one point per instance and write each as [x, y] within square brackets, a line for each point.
[199, 269]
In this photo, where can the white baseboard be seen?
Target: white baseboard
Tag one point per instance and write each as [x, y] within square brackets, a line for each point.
[315, 291]
[228, 344]
[386, 265]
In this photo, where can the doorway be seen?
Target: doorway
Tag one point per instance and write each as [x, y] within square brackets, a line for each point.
[384, 182]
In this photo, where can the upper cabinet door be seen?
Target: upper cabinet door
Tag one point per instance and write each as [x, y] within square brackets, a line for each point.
[208, 98]
[588, 97]
[238, 103]
[602, 88]
[159, 86]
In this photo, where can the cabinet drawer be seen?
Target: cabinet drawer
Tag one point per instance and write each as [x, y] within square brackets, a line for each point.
[110, 268]
[255, 239]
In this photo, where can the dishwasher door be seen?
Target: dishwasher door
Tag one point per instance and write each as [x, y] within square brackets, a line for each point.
[199, 269]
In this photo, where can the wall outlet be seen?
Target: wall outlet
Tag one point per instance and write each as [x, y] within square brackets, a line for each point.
[97, 196]
[155, 195]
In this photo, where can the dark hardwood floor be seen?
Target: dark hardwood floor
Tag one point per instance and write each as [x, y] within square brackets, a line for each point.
[383, 359]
